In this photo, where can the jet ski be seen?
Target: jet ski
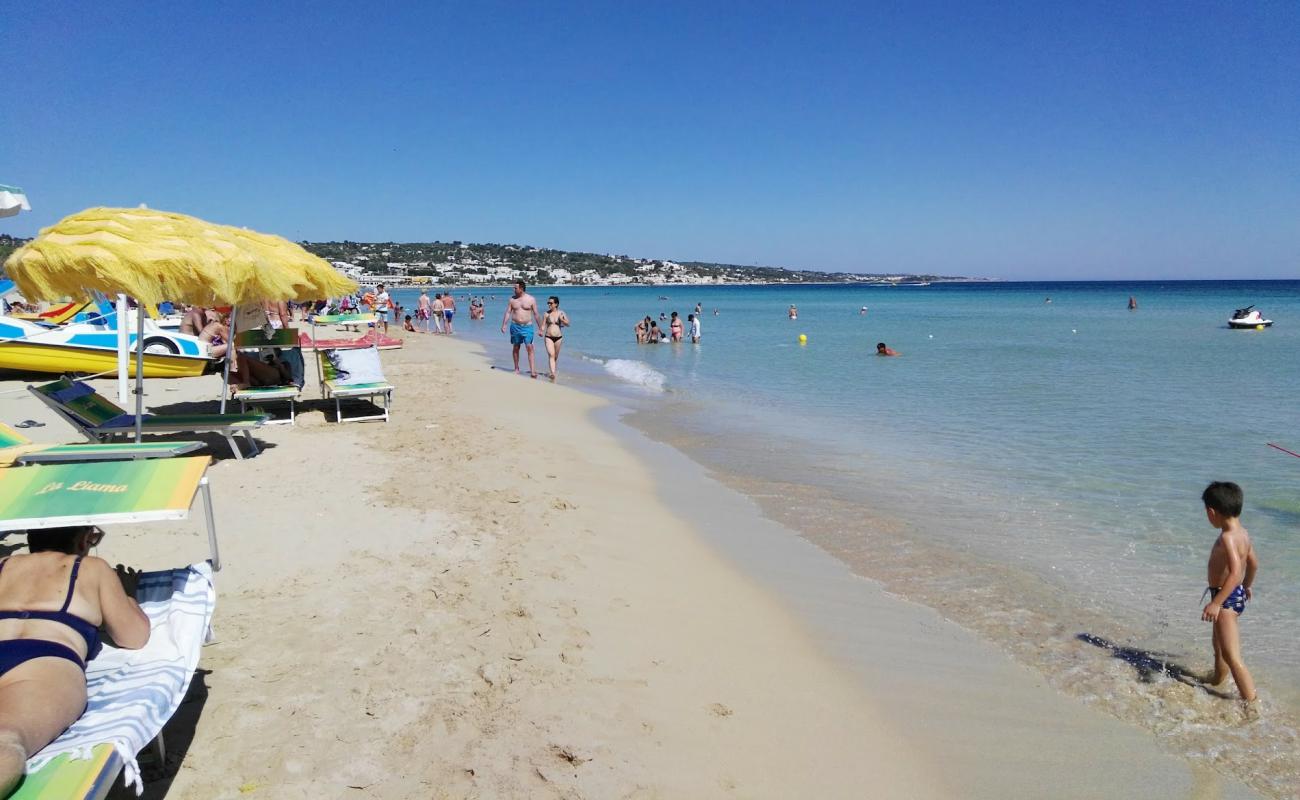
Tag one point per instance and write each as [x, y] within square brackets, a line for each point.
[1248, 317]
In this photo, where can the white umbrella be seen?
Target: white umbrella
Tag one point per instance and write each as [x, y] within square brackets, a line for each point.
[12, 200]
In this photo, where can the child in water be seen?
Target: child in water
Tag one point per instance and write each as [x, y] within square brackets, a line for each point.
[1230, 573]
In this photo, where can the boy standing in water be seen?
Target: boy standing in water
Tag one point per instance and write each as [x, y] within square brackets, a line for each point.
[1230, 573]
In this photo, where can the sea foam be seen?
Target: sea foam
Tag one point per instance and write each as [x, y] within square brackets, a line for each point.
[637, 373]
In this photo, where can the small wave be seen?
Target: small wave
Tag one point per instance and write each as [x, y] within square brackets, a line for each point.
[637, 373]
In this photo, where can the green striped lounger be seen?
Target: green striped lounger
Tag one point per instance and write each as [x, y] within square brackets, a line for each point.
[18, 449]
[354, 374]
[256, 395]
[100, 419]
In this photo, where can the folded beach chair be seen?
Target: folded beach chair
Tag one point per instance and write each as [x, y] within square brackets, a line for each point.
[130, 693]
[18, 449]
[281, 338]
[100, 419]
[353, 373]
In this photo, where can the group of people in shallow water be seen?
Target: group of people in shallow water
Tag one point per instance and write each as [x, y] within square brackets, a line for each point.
[648, 331]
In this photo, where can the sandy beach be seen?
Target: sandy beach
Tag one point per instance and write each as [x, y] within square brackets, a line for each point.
[500, 593]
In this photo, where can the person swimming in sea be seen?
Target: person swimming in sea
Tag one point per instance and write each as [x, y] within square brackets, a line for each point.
[883, 349]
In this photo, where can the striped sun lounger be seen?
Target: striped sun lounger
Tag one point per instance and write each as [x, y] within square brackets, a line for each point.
[18, 449]
[100, 419]
[131, 693]
[255, 339]
[354, 374]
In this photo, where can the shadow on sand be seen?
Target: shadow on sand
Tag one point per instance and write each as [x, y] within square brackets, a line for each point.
[1149, 664]
[158, 773]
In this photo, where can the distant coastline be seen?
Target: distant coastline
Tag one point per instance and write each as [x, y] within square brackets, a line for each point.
[462, 264]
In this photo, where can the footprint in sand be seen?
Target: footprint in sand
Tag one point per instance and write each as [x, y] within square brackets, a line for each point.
[719, 710]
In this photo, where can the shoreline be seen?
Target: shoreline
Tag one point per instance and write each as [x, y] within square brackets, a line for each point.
[538, 610]
[997, 727]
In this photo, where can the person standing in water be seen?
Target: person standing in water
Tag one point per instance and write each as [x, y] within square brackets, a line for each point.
[675, 327]
[553, 324]
[448, 311]
[521, 314]
[435, 312]
[694, 319]
[1230, 573]
[1132, 303]
[422, 310]
[794, 312]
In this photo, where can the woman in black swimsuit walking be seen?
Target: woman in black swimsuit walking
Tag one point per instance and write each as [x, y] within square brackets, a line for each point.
[553, 324]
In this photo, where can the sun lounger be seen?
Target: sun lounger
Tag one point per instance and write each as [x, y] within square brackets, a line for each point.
[106, 493]
[368, 340]
[256, 339]
[353, 374]
[259, 395]
[130, 693]
[18, 449]
[100, 419]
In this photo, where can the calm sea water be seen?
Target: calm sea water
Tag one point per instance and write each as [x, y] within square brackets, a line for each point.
[1032, 468]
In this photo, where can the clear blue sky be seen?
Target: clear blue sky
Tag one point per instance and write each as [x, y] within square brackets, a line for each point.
[1018, 140]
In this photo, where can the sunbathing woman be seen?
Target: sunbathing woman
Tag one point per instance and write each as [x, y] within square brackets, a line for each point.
[52, 603]
[216, 334]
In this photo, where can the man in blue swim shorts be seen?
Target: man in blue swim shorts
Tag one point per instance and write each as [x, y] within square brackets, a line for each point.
[522, 316]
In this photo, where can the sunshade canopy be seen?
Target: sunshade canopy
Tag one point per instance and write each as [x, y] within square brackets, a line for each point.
[98, 493]
[158, 255]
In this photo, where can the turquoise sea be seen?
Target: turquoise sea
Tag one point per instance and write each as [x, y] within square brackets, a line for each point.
[1031, 468]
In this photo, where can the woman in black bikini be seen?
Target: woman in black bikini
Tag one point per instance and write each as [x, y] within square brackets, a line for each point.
[553, 324]
[52, 603]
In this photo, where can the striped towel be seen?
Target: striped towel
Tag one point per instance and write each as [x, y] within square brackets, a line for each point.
[132, 693]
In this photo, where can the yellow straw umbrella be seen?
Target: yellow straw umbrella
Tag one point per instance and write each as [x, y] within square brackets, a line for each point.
[159, 255]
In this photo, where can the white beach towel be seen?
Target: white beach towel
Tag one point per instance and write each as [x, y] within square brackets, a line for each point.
[132, 693]
[357, 366]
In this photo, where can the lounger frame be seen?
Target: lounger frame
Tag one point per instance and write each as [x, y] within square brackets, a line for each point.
[154, 426]
[331, 389]
[262, 395]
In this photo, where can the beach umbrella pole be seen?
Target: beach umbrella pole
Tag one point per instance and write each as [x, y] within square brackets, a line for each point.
[139, 371]
[230, 354]
[123, 354]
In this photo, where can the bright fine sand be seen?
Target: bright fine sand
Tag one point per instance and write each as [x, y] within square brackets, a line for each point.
[502, 593]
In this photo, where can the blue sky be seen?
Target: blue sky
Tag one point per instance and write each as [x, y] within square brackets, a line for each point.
[1019, 140]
